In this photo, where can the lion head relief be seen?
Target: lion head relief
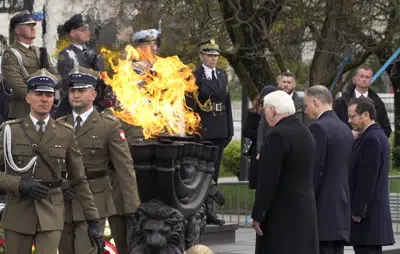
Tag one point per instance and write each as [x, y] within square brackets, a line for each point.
[156, 228]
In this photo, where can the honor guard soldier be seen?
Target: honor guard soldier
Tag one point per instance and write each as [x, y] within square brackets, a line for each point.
[20, 60]
[147, 41]
[213, 104]
[33, 153]
[102, 141]
[76, 54]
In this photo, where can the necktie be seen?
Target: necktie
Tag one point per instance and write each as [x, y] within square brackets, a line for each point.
[362, 96]
[213, 75]
[40, 130]
[78, 121]
[30, 48]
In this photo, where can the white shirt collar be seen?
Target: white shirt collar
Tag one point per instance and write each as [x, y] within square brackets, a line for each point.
[79, 46]
[84, 116]
[358, 94]
[320, 115]
[34, 121]
[208, 71]
[24, 44]
[368, 126]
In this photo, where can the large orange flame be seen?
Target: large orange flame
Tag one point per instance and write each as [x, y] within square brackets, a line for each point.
[154, 100]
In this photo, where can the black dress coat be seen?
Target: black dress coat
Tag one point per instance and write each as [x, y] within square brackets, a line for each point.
[369, 189]
[250, 131]
[334, 142]
[285, 203]
[340, 107]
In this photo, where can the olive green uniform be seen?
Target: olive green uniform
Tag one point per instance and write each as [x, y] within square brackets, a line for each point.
[102, 141]
[17, 106]
[26, 219]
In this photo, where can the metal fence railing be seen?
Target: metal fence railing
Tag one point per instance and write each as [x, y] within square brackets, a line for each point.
[240, 200]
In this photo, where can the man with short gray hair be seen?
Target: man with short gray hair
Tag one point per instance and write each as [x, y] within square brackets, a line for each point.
[284, 196]
[334, 142]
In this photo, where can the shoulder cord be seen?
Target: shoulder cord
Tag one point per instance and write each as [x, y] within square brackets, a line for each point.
[8, 159]
[21, 67]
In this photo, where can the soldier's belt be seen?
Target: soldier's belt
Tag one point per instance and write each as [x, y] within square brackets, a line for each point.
[216, 107]
[50, 184]
[90, 175]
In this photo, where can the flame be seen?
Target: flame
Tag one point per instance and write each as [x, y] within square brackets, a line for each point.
[154, 100]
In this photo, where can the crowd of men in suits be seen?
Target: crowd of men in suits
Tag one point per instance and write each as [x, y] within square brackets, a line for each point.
[67, 169]
[323, 182]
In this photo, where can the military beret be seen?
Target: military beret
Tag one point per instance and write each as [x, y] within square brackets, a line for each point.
[74, 22]
[146, 35]
[82, 78]
[41, 81]
[23, 17]
[209, 47]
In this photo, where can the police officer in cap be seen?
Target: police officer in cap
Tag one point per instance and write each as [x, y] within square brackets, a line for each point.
[20, 60]
[213, 104]
[37, 148]
[101, 141]
[76, 54]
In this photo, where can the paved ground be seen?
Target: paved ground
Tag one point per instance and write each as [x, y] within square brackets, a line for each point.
[245, 244]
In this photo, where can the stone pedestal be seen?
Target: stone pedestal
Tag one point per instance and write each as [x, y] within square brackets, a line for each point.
[173, 178]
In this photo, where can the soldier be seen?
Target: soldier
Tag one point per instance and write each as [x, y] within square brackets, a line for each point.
[20, 60]
[101, 141]
[36, 150]
[76, 54]
[148, 41]
[213, 104]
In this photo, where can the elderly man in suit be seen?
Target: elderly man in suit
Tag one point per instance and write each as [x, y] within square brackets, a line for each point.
[334, 142]
[371, 226]
[284, 213]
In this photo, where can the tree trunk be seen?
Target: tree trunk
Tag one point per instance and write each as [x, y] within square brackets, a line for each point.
[326, 57]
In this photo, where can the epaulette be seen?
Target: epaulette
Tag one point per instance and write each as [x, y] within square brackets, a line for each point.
[64, 124]
[106, 115]
[62, 118]
[11, 122]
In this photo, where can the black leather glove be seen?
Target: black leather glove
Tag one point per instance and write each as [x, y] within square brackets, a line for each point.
[32, 188]
[67, 191]
[96, 237]
[216, 195]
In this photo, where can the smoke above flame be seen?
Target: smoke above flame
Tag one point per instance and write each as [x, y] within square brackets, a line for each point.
[154, 99]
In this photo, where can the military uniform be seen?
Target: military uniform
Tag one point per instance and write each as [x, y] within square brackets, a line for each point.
[29, 218]
[12, 74]
[101, 141]
[73, 56]
[213, 104]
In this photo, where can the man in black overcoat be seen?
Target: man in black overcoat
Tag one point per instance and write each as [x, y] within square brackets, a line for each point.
[371, 226]
[333, 158]
[213, 104]
[284, 213]
[361, 87]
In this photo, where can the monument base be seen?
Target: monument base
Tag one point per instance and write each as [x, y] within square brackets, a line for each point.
[214, 234]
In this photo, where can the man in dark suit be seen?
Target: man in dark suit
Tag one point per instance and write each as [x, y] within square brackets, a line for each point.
[334, 142]
[371, 226]
[213, 104]
[284, 213]
[360, 87]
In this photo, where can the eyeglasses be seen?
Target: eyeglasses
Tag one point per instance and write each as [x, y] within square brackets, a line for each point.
[353, 116]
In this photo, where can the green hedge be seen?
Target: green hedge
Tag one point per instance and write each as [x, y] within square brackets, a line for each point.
[230, 162]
